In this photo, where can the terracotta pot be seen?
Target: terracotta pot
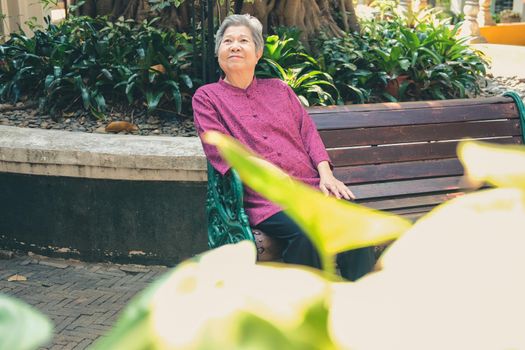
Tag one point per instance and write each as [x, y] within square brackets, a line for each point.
[393, 85]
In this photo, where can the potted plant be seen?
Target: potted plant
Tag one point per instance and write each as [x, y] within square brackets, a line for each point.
[508, 16]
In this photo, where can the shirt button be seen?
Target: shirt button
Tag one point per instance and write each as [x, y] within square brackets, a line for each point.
[265, 137]
[279, 154]
[255, 115]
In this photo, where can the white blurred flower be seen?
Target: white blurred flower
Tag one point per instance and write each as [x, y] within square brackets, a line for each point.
[205, 301]
[456, 280]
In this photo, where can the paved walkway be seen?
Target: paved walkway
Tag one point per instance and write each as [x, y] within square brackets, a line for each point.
[82, 299]
[506, 60]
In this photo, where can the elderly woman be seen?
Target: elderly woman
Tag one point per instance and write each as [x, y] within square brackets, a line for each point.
[266, 116]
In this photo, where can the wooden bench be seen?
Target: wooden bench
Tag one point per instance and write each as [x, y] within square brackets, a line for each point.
[396, 157]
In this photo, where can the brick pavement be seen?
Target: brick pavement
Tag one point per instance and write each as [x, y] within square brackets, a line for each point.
[82, 299]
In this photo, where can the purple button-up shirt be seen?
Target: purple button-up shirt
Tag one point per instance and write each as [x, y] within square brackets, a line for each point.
[269, 119]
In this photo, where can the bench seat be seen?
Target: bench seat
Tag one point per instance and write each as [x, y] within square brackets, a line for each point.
[396, 157]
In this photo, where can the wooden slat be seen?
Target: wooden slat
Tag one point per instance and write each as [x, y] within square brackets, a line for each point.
[410, 105]
[418, 133]
[411, 202]
[413, 211]
[413, 216]
[401, 153]
[330, 120]
[400, 188]
[399, 171]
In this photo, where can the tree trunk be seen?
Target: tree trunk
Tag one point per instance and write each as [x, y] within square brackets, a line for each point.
[353, 24]
[310, 16]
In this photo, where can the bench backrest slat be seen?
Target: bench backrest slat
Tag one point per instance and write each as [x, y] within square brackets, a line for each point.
[417, 209]
[419, 133]
[402, 152]
[397, 117]
[412, 206]
[409, 105]
[398, 171]
[418, 203]
[400, 188]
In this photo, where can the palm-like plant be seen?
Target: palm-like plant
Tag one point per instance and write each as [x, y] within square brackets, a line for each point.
[284, 58]
[428, 54]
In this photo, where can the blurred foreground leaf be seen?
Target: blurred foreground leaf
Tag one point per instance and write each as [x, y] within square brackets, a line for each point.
[22, 327]
[224, 300]
[456, 279]
[498, 165]
[333, 225]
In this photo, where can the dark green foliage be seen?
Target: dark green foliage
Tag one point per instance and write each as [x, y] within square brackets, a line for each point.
[435, 63]
[84, 62]
[285, 58]
[344, 59]
[442, 66]
[422, 61]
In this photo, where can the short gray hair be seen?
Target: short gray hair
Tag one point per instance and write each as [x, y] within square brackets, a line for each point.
[246, 20]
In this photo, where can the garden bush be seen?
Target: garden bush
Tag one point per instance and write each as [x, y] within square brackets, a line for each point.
[345, 59]
[285, 58]
[398, 59]
[86, 62]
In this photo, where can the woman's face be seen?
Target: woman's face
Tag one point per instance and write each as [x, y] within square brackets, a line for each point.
[237, 51]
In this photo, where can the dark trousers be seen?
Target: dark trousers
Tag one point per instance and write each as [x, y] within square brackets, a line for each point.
[300, 250]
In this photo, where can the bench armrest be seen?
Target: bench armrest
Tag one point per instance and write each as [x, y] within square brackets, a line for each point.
[521, 110]
[227, 221]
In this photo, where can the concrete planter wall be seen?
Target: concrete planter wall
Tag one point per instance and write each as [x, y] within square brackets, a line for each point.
[102, 197]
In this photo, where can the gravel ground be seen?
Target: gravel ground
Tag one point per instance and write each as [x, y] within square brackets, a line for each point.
[498, 85]
[22, 115]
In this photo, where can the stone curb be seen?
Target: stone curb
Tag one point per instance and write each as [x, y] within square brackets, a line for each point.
[101, 156]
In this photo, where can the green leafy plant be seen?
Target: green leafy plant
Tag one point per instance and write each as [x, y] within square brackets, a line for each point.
[401, 59]
[344, 59]
[161, 69]
[441, 65]
[86, 62]
[427, 53]
[285, 58]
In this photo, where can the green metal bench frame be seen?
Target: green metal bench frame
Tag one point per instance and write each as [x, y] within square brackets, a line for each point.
[227, 220]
